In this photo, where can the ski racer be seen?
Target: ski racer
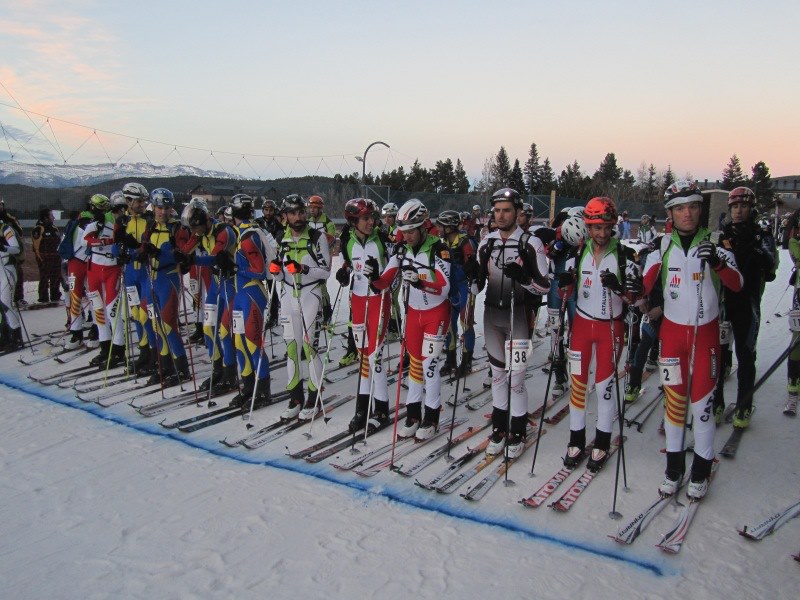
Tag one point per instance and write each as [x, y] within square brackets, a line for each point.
[10, 248]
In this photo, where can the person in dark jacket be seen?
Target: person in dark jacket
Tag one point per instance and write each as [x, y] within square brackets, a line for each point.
[46, 238]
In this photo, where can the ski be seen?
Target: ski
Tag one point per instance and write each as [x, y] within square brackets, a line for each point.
[732, 443]
[452, 484]
[644, 411]
[633, 529]
[454, 466]
[280, 428]
[769, 525]
[43, 356]
[68, 358]
[568, 498]
[674, 538]
[369, 455]
[70, 374]
[480, 489]
[440, 451]
[541, 495]
[178, 401]
[374, 468]
[344, 443]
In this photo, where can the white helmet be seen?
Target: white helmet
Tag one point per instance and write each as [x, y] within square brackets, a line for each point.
[411, 215]
[573, 211]
[681, 192]
[135, 191]
[573, 230]
[389, 210]
[118, 200]
[195, 213]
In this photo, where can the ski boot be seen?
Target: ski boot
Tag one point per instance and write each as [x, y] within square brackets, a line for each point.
[263, 396]
[741, 417]
[310, 407]
[359, 420]
[75, 341]
[296, 401]
[602, 443]
[516, 439]
[179, 374]
[216, 375]
[575, 448]
[198, 335]
[380, 417]
[497, 440]
[242, 399]
[101, 357]
[117, 357]
[632, 393]
[465, 368]
[429, 425]
[413, 417]
[449, 365]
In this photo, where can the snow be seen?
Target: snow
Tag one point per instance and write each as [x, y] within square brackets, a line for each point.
[103, 503]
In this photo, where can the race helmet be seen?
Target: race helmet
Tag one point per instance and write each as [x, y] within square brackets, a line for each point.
[411, 215]
[449, 218]
[293, 202]
[118, 200]
[742, 194]
[527, 210]
[162, 198]
[573, 230]
[600, 210]
[241, 201]
[269, 203]
[389, 210]
[99, 202]
[575, 211]
[316, 201]
[681, 192]
[359, 207]
[195, 213]
[134, 191]
[465, 215]
[476, 208]
[507, 195]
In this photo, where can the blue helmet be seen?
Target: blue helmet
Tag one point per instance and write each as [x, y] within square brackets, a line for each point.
[162, 198]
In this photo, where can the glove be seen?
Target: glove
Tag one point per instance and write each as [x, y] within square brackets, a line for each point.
[410, 276]
[295, 268]
[707, 251]
[3, 243]
[371, 268]
[343, 276]
[129, 241]
[471, 269]
[609, 280]
[566, 279]
[183, 258]
[516, 272]
[634, 285]
[149, 249]
[124, 257]
[275, 267]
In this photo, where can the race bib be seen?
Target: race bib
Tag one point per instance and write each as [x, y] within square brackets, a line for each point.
[517, 354]
[725, 333]
[552, 319]
[71, 281]
[794, 320]
[151, 311]
[670, 371]
[97, 301]
[432, 345]
[209, 315]
[574, 358]
[194, 286]
[238, 322]
[133, 295]
[360, 336]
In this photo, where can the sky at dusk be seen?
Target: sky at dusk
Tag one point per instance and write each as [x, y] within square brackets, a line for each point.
[277, 88]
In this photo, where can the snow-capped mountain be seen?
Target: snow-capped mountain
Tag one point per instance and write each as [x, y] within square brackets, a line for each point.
[60, 176]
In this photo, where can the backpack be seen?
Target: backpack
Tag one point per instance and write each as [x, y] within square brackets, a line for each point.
[66, 248]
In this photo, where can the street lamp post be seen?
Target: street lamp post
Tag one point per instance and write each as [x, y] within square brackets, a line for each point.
[363, 161]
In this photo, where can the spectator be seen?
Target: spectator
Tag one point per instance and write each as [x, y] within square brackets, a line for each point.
[11, 220]
[625, 227]
[46, 238]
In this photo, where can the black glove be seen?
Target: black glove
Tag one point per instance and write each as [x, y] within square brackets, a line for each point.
[516, 272]
[609, 280]
[129, 241]
[371, 265]
[471, 269]
[149, 249]
[343, 276]
[707, 251]
[3, 242]
[224, 263]
[634, 285]
[183, 258]
[124, 256]
[566, 279]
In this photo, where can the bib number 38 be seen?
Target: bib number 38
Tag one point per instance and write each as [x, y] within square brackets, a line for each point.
[517, 354]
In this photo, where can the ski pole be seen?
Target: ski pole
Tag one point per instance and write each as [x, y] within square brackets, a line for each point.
[556, 348]
[377, 354]
[353, 449]
[614, 514]
[506, 481]
[400, 371]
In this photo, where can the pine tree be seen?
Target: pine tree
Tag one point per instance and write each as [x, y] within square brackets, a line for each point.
[608, 172]
[516, 179]
[443, 177]
[572, 182]
[652, 183]
[547, 181]
[532, 171]
[419, 179]
[461, 179]
[669, 178]
[732, 176]
[762, 184]
[502, 169]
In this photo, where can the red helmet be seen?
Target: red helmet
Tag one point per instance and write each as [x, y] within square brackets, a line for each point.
[359, 207]
[742, 194]
[600, 210]
[316, 201]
